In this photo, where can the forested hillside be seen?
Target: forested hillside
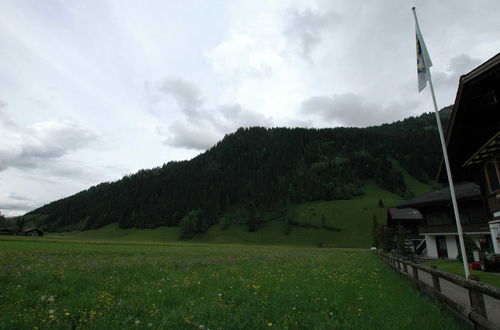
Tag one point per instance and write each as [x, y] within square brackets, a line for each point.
[255, 174]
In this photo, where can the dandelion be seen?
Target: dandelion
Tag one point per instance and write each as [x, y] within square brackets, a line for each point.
[51, 299]
[269, 324]
[67, 314]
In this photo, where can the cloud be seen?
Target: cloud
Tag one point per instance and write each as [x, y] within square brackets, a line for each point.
[15, 204]
[185, 93]
[305, 29]
[457, 66]
[352, 110]
[32, 146]
[199, 127]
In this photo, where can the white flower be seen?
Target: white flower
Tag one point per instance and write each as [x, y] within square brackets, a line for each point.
[201, 326]
[137, 321]
[51, 311]
[150, 325]
[220, 294]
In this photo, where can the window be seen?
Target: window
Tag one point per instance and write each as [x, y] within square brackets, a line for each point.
[437, 218]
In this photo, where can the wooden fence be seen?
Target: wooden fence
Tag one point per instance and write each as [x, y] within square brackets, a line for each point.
[473, 312]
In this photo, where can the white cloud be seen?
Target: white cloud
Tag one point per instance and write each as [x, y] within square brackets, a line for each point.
[200, 127]
[306, 28]
[351, 110]
[30, 146]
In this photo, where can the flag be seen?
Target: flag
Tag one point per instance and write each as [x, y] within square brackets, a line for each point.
[423, 59]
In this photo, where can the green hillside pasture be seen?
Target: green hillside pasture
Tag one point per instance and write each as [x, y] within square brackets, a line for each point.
[352, 217]
[113, 233]
[63, 285]
[416, 187]
[270, 233]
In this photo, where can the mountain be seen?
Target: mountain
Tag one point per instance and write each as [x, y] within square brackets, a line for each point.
[254, 175]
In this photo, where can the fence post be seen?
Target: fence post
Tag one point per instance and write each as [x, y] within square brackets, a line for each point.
[435, 281]
[415, 273]
[477, 303]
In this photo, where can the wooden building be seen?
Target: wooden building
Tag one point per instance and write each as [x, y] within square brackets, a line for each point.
[6, 231]
[473, 143]
[473, 139]
[438, 227]
[33, 232]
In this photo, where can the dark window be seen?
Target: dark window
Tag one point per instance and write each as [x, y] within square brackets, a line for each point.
[438, 218]
[472, 215]
[441, 247]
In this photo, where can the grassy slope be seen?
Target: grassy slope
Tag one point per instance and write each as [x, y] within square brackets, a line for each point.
[352, 217]
[63, 285]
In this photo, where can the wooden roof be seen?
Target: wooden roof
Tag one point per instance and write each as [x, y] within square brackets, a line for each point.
[463, 191]
[475, 119]
[405, 214]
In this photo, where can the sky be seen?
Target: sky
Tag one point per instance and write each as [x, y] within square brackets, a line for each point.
[94, 90]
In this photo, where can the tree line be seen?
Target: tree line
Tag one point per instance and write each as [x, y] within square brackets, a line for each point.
[252, 174]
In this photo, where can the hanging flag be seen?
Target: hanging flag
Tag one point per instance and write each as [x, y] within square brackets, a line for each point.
[423, 60]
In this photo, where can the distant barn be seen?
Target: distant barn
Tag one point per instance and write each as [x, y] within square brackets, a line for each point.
[33, 232]
[6, 231]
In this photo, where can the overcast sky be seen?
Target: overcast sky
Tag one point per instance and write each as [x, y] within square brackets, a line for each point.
[93, 90]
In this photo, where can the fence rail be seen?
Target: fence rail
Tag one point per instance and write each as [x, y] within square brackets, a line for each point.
[476, 315]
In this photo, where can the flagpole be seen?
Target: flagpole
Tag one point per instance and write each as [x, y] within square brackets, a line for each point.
[448, 171]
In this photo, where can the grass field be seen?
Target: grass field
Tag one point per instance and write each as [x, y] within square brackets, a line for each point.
[57, 284]
[457, 268]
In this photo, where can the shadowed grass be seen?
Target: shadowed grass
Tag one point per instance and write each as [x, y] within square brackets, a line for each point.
[457, 268]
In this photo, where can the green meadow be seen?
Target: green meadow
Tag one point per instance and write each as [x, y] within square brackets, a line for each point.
[61, 284]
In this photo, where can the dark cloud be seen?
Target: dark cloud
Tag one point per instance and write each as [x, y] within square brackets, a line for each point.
[200, 127]
[352, 110]
[304, 30]
[17, 203]
[458, 66]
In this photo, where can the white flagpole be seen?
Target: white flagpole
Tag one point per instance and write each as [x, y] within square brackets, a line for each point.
[448, 171]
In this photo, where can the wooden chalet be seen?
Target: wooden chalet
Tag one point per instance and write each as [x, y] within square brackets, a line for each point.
[473, 143]
[33, 232]
[438, 228]
[473, 138]
[6, 231]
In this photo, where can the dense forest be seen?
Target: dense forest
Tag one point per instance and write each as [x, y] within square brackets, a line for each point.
[255, 173]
